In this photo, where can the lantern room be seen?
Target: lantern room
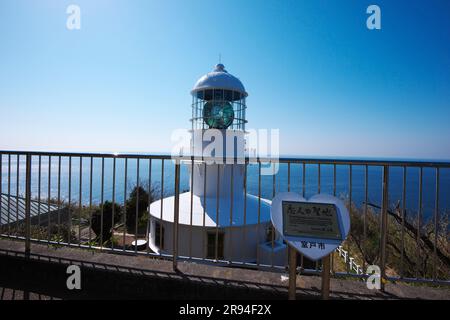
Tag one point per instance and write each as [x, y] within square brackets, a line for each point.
[218, 101]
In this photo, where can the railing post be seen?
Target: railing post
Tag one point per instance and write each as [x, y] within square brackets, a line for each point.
[383, 239]
[28, 206]
[176, 211]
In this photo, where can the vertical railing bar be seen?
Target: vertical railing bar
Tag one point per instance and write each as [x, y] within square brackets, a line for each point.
[318, 178]
[1, 191]
[161, 246]
[334, 194]
[39, 197]
[205, 249]
[113, 202]
[125, 205]
[366, 199]
[304, 180]
[350, 187]
[273, 181]
[176, 212]
[149, 191]
[402, 244]
[9, 194]
[289, 177]
[259, 207]
[384, 230]
[90, 201]
[245, 207]
[303, 194]
[334, 179]
[17, 192]
[194, 112]
[436, 221]
[102, 191]
[49, 196]
[59, 200]
[191, 208]
[271, 225]
[137, 206]
[347, 265]
[419, 217]
[69, 201]
[217, 213]
[231, 209]
[27, 206]
[80, 196]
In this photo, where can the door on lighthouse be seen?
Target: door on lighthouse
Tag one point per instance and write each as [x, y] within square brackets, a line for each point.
[159, 235]
[211, 245]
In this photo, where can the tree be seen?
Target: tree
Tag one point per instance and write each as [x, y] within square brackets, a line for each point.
[138, 202]
[105, 234]
[408, 252]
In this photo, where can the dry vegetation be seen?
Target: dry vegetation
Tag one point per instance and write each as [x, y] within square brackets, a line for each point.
[409, 253]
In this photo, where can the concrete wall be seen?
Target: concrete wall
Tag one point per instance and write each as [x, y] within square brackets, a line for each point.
[240, 243]
[49, 278]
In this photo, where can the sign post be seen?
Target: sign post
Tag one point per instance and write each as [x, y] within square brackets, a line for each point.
[292, 272]
[326, 277]
[313, 227]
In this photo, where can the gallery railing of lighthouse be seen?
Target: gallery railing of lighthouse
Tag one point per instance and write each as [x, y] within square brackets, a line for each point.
[399, 209]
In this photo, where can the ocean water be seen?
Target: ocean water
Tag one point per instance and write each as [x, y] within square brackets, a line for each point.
[68, 179]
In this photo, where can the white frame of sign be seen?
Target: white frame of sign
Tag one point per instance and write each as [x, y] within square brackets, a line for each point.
[322, 247]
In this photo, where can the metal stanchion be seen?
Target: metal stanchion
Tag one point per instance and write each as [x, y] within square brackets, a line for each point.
[28, 206]
[292, 273]
[176, 211]
[326, 277]
[383, 239]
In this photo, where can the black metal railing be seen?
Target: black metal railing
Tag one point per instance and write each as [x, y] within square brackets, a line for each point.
[399, 209]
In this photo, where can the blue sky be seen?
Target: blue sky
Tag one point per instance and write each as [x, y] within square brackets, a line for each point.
[312, 69]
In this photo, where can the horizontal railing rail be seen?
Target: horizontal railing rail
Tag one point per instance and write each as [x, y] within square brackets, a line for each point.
[248, 159]
[114, 202]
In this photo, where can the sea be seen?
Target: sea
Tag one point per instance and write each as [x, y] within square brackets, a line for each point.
[65, 181]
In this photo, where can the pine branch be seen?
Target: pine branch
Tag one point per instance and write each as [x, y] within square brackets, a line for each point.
[426, 241]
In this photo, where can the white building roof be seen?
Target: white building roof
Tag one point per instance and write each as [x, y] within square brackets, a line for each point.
[219, 78]
[12, 209]
[210, 215]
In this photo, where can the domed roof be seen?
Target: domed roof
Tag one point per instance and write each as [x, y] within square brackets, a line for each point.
[219, 78]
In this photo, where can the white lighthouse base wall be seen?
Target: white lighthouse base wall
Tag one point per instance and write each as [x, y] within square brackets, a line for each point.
[273, 253]
[238, 242]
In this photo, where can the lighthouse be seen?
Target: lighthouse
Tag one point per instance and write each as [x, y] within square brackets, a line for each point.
[217, 219]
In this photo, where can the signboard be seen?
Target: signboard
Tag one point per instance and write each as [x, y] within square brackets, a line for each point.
[314, 227]
[311, 219]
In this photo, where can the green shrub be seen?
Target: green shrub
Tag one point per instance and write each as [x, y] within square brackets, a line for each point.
[105, 234]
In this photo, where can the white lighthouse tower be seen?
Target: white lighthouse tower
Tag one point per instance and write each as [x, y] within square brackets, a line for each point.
[217, 219]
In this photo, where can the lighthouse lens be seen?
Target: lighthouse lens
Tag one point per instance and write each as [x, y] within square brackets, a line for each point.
[218, 114]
